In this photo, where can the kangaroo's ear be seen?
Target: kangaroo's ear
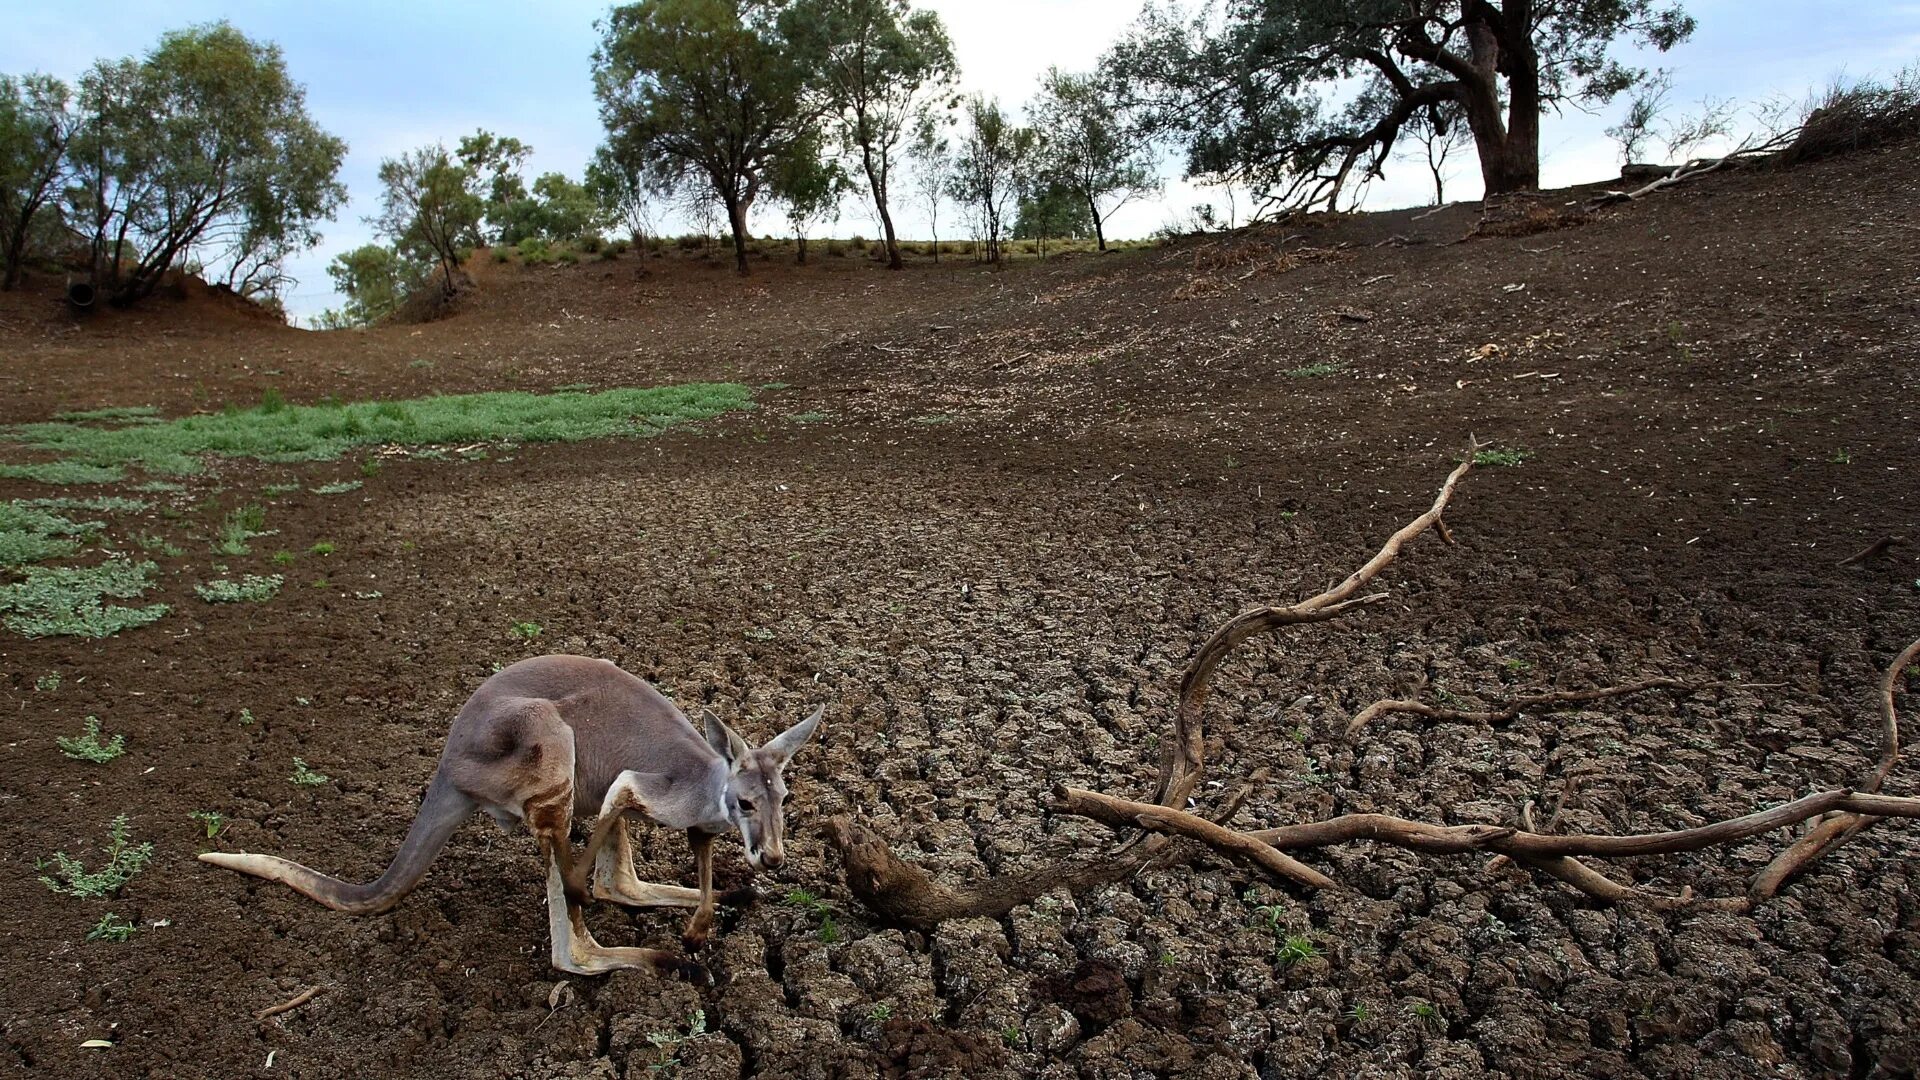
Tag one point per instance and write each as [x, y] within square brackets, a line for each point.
[788, 742]
[721, 737]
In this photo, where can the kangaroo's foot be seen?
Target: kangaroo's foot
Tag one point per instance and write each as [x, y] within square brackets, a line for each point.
[575, 950]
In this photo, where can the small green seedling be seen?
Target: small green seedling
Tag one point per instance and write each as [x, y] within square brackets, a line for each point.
[70, 876]
[1507, 458]
[213, 821]
[88, 747]
[47, 683]
[246, 717]
[248, 588]
[1295, 948]
[307, 776]
[525, 631]
[829, 930]
[111, 927]
[321, 547]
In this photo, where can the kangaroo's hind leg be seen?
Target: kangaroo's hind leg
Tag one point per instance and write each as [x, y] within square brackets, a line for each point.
[529, 764]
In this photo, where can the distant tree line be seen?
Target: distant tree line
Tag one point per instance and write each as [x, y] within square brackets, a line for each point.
[201, 153]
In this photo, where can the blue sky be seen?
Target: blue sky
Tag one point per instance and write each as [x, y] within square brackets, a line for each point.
[390, 77]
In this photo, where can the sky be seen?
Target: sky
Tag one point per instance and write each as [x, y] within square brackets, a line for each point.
[389, 77]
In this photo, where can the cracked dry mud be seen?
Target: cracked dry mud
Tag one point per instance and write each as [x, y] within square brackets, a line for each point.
[991, 558]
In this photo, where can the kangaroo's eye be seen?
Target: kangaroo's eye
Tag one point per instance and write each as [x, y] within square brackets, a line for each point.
[746, 807]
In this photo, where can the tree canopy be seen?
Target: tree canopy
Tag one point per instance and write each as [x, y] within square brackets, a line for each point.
[1089, 146]
[1245, 87]
[202, 149]
[35, 126]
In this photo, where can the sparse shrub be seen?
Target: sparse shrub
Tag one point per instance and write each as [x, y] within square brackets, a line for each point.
[1858, 116]
[690, 241]
[502, 253]
[565, 256]
[88, 747]
[590, 244]
[111, 927]
[240, 526]
[534, 251]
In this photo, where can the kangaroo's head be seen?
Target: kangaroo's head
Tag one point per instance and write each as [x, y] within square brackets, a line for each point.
[756, 795]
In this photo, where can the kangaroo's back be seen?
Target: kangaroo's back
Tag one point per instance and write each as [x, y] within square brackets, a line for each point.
[619, 721]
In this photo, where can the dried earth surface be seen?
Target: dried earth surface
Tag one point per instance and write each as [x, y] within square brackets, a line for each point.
[986, 517]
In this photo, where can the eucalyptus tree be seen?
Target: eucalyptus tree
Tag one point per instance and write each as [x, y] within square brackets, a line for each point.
[1253, 88]
[704, 92]
[202, 149]
[993, 159]
[431, 207]
[877, 63]
[1090, 148]
[36, 122]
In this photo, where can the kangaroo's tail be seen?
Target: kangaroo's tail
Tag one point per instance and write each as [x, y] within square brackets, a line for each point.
[441, 812]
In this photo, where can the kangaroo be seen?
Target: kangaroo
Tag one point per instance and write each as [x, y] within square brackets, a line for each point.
[558, 737]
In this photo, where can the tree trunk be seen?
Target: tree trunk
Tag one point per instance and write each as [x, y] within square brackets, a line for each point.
[1099, 233]
[1509, 153]
[737, 220]
[878, 185]
[800, 258]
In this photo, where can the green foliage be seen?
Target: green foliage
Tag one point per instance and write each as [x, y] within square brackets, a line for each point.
[36, 123]
[375, 280]
[525, 631]
[111, 927]
[811, 186]
[711, 91]
[111, 412]
[1053, 211]
[203, 146]
[88, 747]
[338, 487]
[250, 588]
[430, 209]
[829, 931]
[1091, 150]
[66, 601]
[325, 431]
[70, 876]
[241, 525]
[558, 211]
[878, 62]
[321, 547]
[1503, 457]
[212, 821]
[47, 683]
[991, 162]
[1295, 948]
[306, 776]
[101, 504]
[30, 535]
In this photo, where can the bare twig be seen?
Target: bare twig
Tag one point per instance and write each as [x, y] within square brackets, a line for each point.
[1873, 551]
[291, 1003]
[1536, 703]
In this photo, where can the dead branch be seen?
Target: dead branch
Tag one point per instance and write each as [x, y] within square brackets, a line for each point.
[1873, 551]
[1700, 167]
[1161, 819]
[904, 893]
[1537, 703]
[290, 1004]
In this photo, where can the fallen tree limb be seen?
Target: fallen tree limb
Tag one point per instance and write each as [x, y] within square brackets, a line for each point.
[1873, 551]
[1559, 699]
[290, 1004]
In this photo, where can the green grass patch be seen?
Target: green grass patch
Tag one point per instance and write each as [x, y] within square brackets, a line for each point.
[307, 776]
[68, 601]
[71, 877]
[238, 527]
[111, 412]
[29, 534]
[811, 416]
[98, 504]
[249, 588]
[338, 487]
[62, 472]
[277, 432]
[111, 927]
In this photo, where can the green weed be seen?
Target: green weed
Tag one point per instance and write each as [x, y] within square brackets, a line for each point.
[70, 876]
[62, 472]
[238, 527]
[811, 416]
[525, 631]
[212, 821]
[1294, 949]
[47, 683]
[111, 927]
[111, 412]
[66, 601]
[338, 487]
[154, 542]
[97, 504]
[321, 547]
[307, 776]
[88, 747]
[283, 557]
[250, 588]
[1506, 458]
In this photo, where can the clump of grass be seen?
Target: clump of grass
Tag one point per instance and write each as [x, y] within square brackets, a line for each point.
[1508, 458]
[525, 631]
[67, 601]
[29, 534]
[307, 776]
[338, 487]
[88, 747]
[111, 927]
[1317, 371]
[111, 412]
[1295, 948]
[97, 504]
[811, 416]
[238, 527]
[325, 431]
[71, 877]
[62, 472]
[250, 588]
[321, 547]
[274, 491]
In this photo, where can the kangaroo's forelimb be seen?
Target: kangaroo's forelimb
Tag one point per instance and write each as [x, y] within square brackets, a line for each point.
[441, 812]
